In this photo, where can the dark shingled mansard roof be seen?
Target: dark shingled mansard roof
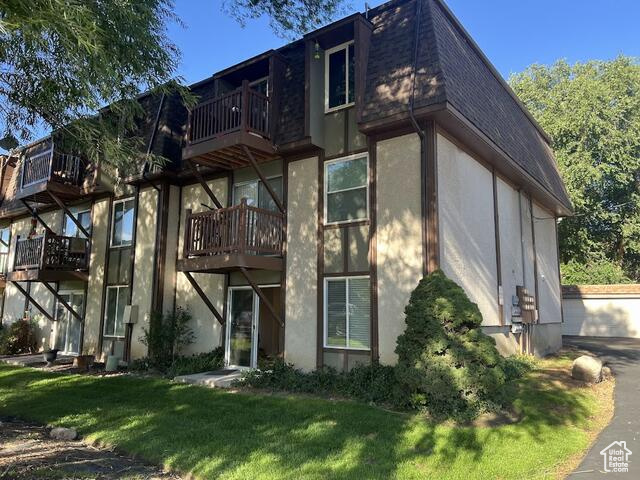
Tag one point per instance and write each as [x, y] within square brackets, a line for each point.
[451, 68]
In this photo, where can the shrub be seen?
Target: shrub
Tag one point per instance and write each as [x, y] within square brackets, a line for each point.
[201, 362]
[446, 365]
[369, 383]
[18, 337]
[166, 336]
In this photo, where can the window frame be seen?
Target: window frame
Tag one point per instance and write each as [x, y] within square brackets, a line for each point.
[113, 222]
[327, 54]
[326, 192]
[77, 214]
[106, 311]
[325, 314]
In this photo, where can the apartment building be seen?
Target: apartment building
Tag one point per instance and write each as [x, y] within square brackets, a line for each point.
[303, 199]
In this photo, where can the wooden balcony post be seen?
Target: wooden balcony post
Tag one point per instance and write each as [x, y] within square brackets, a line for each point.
[244, 111]
[187, 234]
[43, 248]
[242, 226]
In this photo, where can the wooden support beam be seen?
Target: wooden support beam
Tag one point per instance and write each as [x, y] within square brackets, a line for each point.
[32, 301]
[262, 296]
[198, 175]
[266, 184]
[35, 215]
[73, 218]
[59, 298]
[204, 297]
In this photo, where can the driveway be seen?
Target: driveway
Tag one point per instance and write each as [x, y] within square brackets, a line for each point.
[623, 356]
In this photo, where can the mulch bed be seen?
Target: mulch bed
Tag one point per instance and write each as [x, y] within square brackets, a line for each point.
[28, 452]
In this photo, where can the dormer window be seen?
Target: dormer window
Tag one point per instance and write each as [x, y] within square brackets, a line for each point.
[339, 77]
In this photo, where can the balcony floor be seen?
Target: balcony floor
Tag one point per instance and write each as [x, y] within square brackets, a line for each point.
[43, 275]
[39, 192]
[229, 263]
[226, 151]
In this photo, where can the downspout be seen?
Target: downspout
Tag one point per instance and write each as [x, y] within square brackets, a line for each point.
[421, 133]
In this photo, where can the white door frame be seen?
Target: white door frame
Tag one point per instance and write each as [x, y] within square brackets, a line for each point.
[68, 317]
[254, 323]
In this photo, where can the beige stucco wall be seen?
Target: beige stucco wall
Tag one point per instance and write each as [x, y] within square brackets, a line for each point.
[602, 316]
[467, 230]
[99, 240]
[205, 326]
[399, 235]
[549, 296]
[142, 289]
[301, 269]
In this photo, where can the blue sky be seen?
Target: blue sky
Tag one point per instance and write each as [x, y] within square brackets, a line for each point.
[512, 33]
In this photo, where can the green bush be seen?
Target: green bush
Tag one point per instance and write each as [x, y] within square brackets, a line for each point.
[369, 383]
[201, 362]
[166, 336]
[446, 365]
[18, 337]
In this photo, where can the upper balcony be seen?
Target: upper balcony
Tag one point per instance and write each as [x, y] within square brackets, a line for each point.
[50, 172]
[228, 239]
[50, 258]
[220, 128]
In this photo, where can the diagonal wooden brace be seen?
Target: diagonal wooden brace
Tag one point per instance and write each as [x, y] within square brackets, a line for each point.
[262, 296]
[32, 301]
[266, 184]
[206, 188]
[204, 297]
[73, 218]
[59, 298]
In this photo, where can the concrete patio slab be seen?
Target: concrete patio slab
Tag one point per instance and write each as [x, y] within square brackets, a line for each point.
[218, 378]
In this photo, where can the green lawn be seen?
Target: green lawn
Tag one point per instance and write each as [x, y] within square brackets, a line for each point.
[217, 434]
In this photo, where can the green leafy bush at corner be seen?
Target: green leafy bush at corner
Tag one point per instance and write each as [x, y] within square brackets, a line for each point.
[18, 337]
[446, 365]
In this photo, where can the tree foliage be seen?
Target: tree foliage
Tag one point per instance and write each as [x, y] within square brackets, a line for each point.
[62, 61]
[287, 17]
[592, 112]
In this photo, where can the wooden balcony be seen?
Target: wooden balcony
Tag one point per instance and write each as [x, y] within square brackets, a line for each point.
[50, 258]
[50, 171]
[227, 239]
[220, 128]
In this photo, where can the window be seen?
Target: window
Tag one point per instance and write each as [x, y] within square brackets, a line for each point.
[70, 229]
[257, 194]
[339, 77]
[122, 227]
[346, 189]
[261, 86]
[5, 236]
[347, 313]
[117, 298]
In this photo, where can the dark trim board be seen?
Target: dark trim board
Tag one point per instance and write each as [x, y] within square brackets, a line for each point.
[373, 252]
[38, 275]
[228, 263]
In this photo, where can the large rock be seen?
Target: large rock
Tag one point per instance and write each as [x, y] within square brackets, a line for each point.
[587, 369]
[66, 434]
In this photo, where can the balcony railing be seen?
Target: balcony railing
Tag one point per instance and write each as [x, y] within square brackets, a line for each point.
[243, 109]
[51, 252]
[49, 165]
[241, 229]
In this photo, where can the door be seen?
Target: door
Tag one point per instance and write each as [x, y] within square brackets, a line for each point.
[241, 328]
[68, 327]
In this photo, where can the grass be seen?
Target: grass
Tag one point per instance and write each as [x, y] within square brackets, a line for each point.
[220, 434]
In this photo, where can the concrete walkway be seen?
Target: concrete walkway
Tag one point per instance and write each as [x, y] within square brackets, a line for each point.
[33, 360]
[220, 378]
[623, 356]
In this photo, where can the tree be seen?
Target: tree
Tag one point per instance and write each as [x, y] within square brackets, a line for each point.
[287, 17]
[592, 112]
[62, 61]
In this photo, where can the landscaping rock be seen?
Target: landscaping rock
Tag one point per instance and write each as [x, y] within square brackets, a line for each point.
[66, 434]
[587, 369]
